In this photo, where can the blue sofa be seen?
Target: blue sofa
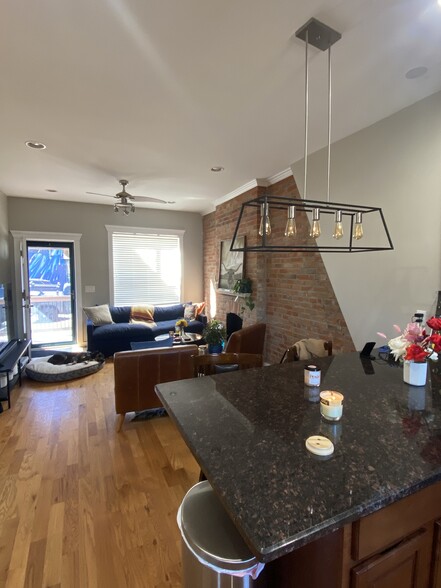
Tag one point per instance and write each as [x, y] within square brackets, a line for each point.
[117, 336]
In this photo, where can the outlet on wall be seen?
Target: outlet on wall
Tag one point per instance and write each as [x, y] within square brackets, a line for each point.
[423, 312]
[89, 289]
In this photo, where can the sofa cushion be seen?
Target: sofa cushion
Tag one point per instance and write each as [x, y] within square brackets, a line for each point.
[120, 314]
[168, 312]
[99, 315]
[139, 331]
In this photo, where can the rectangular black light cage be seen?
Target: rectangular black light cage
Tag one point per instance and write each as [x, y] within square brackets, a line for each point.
[306, 205]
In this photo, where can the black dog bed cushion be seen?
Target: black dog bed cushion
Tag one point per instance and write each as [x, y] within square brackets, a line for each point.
[40, 369]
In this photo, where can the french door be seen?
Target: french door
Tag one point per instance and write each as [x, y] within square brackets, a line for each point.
[49, 292]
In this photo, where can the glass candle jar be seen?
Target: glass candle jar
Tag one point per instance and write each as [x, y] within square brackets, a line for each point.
[331, 405]
[312, 375]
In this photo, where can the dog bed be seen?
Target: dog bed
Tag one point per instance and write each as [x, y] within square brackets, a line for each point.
[42, 370]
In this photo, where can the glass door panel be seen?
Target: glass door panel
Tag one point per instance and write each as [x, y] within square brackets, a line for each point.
[51, 282]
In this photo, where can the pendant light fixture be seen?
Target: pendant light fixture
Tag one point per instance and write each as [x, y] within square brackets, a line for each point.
[322, 37]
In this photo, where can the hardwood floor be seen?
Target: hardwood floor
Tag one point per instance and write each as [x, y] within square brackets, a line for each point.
[82, 505]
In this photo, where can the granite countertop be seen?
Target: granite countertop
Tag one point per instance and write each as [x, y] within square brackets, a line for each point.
[247, 430]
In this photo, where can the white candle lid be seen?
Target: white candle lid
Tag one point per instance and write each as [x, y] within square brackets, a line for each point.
[319, 445]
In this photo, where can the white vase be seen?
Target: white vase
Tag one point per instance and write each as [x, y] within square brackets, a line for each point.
[415, 373]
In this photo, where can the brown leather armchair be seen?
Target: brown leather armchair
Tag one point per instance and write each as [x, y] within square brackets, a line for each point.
[137, 373]
[247, 340]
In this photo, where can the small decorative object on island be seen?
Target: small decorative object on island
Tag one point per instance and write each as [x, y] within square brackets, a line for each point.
[214, 335]
[414, 347]
[180, 325]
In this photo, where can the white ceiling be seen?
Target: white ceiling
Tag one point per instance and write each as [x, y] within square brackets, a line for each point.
[158, 92]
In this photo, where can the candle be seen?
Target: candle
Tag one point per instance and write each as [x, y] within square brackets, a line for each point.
[331, 405]
[312, 375]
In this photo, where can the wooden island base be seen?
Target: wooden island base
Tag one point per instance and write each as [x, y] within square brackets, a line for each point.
[396, 547]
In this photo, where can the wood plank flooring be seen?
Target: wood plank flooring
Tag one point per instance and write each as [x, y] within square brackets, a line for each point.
[82, 505]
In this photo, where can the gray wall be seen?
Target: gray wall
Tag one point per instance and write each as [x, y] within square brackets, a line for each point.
[28, 214]
[5, 270]
[396, 165]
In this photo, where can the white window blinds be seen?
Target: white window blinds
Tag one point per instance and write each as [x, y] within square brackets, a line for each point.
[146, 268]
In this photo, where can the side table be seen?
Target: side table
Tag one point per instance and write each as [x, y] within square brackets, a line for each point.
[12, 359]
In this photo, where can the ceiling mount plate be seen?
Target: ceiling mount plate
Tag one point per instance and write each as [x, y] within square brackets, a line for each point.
[319, 34]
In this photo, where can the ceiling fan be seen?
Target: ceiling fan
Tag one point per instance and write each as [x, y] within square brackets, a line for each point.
[125, 200]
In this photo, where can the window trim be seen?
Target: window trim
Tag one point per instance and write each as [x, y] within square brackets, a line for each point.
[111, 229]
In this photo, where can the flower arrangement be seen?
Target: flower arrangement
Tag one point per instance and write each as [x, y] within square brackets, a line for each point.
[414, 344]
[181, 323]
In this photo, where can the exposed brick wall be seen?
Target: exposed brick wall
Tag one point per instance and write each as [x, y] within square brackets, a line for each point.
[292, 291]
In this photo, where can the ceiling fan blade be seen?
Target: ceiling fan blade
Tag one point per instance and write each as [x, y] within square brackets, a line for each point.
[98, 194]
[147, 199]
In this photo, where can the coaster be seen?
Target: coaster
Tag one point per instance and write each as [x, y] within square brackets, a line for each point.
[319, 445]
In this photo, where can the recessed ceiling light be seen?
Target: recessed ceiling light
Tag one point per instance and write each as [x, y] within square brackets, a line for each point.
[416, 72]
[217, 168]
[51, 190]
[35, 145]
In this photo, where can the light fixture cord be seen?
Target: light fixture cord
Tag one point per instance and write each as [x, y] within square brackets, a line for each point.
[329, 122]
[306, 116]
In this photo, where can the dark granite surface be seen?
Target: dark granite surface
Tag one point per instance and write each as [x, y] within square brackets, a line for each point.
[247, 430]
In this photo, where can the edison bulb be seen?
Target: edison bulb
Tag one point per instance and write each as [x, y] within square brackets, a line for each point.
[265, 224]
[315, 227]
[338, 227]
[358, 227]
[358, 231]
[291, 228]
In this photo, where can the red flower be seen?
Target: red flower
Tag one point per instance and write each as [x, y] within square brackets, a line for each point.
[436, 340]
[416, 353]
[434, 323]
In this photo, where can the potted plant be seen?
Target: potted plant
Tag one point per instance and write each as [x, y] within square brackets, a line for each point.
[214, 335]
[244, 287]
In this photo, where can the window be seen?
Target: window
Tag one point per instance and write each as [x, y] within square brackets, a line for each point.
[145, 266]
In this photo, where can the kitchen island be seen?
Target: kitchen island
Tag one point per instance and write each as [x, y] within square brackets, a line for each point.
[366, 516]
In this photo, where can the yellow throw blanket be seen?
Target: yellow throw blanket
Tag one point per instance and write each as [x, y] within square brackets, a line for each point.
[142, 314]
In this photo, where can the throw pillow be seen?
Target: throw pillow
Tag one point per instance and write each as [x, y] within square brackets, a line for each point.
[142, 314]
[99, 315]
[200, 307]
[190, 312]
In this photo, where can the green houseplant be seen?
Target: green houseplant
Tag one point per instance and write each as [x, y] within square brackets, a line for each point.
[214, 334]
